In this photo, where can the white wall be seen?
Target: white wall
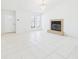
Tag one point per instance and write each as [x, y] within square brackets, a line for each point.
[24, 23]
[66, 10]
[56, 9]
[8, 4]
[24, 11]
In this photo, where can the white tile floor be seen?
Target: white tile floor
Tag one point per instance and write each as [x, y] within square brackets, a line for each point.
[38, 45]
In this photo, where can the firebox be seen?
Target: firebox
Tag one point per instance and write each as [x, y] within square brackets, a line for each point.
[56, 26]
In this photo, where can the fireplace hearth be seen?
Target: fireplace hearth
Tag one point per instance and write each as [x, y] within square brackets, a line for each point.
[56, 26]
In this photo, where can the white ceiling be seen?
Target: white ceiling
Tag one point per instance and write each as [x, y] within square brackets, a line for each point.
[31, 5]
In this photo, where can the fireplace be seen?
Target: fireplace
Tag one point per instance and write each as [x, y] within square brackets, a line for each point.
[56, 26]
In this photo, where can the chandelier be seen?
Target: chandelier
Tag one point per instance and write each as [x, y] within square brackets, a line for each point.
[43, 5]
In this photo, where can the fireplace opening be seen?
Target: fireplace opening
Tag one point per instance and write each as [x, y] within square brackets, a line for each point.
[56, 25]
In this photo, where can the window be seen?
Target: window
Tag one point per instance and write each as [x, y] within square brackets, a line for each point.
[36, 22]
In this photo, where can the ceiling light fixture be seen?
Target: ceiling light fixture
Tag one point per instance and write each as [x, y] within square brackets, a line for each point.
[43, 5]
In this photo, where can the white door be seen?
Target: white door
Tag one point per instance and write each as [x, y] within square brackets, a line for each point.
[9, 18]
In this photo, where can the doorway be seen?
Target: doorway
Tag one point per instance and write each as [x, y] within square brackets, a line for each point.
[8, 21]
